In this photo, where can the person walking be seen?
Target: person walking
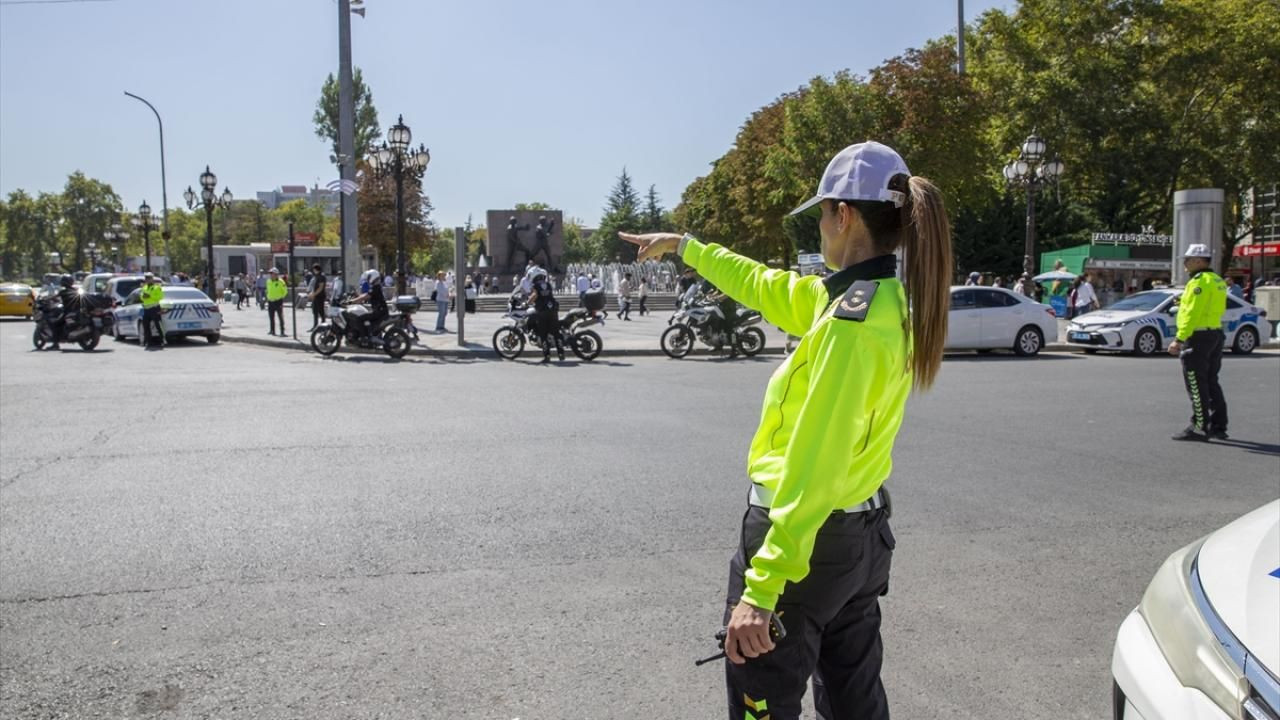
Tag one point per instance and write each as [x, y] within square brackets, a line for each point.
[318, 295]
[624, 298]
[816, 547]
[441, 294]
[260, 290]
[151, 295]
[1198, 345]
[241, 290]
[277, 290]
[644, 297]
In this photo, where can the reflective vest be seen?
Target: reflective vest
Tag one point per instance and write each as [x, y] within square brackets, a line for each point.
[276, 290]
[151, 295]
[831, 410]
[1202, 304]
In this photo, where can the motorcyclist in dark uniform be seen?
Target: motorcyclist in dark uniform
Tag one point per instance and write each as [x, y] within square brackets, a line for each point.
[728, 311]
[377, 302]
[70, 299]
[546, 316]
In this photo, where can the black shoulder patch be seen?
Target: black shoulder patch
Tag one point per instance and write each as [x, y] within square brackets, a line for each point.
[857, 301]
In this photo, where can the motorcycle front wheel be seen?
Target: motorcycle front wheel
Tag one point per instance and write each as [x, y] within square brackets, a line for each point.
[325, 341]
[587, 345]
[750, 341]
[90, 341]
[508, 342]
[677, 341]
[396, 342]
[38, 339]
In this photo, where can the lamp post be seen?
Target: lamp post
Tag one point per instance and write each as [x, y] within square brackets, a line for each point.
[1032, 170]
[396, 160]
[93, 256]
[115, 256]
[209, 200]
[145, 222]
[115, 234]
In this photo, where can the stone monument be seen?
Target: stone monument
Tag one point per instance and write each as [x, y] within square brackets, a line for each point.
[517, 236]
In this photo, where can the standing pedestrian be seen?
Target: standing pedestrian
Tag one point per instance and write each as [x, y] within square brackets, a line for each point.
[1234, 288]
[277, 290]
[1199, 345]
[260, 290]
[469, 290]
[582, 285]
[152, 294]
[975, 278]
[318, 295]
[815, 546]
[624, 298]
[1083, 298]
[546, 315]
[644, 296]
[441, 294]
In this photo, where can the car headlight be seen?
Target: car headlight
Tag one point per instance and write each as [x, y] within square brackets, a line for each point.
[1197, 659]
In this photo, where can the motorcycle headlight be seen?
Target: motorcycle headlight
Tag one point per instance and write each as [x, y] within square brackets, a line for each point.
[1171, 610]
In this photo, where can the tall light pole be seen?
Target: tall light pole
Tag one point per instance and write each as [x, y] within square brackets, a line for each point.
[209, 201]
[145, 223]
[164, 188]
[115, 234]
[1032, 170]
[396, 160]
[346, 139]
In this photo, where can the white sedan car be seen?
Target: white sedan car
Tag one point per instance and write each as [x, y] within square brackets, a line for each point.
[186, 311]
[1147, 322]
[988, 318]
[1204, 643]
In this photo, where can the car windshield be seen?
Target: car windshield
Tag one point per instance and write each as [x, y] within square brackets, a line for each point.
[184, 293]
[1145, 302]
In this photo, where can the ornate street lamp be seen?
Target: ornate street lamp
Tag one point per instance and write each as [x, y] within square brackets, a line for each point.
[1032, 170]
[93, 256]
[145, 222]
[115, 234]
[209, 200]
[397, 160]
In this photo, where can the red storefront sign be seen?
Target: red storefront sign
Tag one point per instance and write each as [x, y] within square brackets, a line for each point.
[1263, 250]
[304, 238]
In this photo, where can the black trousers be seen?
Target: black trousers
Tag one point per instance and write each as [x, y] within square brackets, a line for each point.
[1201, 361]
[275, 308]
[832, 618]
[151, 316]
[644, 310]
[544, 324]
[317, 312]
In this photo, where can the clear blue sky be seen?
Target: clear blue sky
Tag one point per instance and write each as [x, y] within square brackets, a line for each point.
[517, 100]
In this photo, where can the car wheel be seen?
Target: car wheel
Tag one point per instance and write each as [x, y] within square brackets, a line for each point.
[213, 338]
[1147, 342]
[1029, 341]
[1246, 340]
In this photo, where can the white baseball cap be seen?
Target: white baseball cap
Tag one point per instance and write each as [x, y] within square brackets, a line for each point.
[1198, 251]
[859, 172]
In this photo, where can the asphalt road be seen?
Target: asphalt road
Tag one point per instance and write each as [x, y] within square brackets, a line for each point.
[242, 532]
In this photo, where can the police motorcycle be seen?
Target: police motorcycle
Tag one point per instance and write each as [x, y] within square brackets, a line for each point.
[56, 324]
[346, 323]
[699, 318]
[509, 340]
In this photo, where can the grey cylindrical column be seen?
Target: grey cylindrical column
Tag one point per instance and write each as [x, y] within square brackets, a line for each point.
[1197, 218]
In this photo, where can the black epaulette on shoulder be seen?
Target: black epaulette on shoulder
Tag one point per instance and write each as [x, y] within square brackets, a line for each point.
[857, 301]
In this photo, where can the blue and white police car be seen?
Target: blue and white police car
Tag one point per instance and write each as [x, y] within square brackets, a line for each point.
[1204, 643]
[1147, 322]
[187, 312]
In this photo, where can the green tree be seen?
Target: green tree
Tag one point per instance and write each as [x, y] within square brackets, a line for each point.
[621, 213]
[377, 201]
[533, 206]
[581, 246]
[326, 114]
[304, 216]
[89, 207]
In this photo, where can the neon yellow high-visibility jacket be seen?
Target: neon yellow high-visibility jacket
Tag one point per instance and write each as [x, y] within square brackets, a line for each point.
[831, 411]
[151, 295]
[276, 290]
[1202, 304]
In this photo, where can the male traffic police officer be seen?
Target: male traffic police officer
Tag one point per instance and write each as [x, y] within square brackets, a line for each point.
[1199, 345]
[277, 291]
[151, 295]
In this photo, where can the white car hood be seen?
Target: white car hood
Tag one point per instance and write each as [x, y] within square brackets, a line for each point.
[1240, 572]
[1109, 317]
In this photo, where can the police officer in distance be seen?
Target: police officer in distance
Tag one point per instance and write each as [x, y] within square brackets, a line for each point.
[151, 295]
[1199, 346]
[546, 315]
[815, 546]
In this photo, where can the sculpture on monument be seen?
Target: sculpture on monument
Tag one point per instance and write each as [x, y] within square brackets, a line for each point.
[513, 241]
[541, 237]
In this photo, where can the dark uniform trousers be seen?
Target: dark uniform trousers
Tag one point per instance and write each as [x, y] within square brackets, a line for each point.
[151, 317]
[275, 309]
[832, 619]
[1201, 360]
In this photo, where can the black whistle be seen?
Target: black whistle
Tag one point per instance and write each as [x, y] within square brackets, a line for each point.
[776, 632]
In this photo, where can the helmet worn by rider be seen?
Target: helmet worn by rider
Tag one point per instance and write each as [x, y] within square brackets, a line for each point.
[66, 281]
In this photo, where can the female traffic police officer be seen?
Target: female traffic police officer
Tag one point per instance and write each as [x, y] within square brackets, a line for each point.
[815, 545]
